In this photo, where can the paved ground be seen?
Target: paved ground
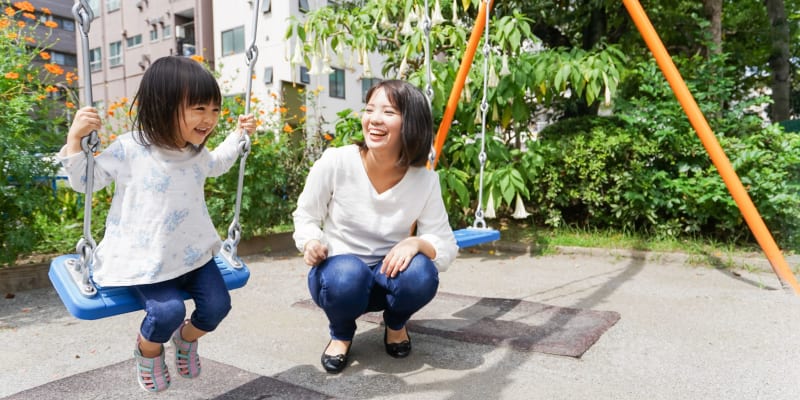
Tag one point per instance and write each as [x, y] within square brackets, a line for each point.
[684, 332]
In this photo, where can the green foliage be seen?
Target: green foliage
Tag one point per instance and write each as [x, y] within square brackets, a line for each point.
[31, 129]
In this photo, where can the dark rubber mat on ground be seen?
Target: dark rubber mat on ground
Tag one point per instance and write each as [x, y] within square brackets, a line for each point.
[218, 381]
[522, 325]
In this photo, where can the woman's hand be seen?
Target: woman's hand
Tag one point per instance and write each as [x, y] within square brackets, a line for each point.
[86, 120]
[247, 123]
[399, 257]
[314, 252]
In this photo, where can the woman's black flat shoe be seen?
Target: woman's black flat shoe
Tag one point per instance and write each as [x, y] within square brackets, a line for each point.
[334, 364]
[397, 350]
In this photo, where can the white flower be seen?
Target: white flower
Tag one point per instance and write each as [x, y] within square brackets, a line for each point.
[367, 65]
[437, 14]
[504, 70]
[490, 213]
[519, 210]
[297, 58]
[315, 65]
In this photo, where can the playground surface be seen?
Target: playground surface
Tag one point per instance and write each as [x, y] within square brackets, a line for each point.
[593, 324]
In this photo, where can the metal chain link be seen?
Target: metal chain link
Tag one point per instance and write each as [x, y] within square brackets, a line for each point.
[426, 28]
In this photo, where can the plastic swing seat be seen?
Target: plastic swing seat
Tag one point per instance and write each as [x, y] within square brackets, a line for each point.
[110, 301]
[474, 236]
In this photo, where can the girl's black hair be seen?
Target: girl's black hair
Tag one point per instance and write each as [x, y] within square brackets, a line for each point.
[416, 130]
[169, 84]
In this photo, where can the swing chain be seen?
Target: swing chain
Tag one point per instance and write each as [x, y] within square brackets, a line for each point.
[429, 93]
[229, 246]
[484, 107]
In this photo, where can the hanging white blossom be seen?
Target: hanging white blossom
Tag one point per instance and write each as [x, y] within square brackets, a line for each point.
[504, 70]
[437, 17]
[367, 64]
[315, 65]
[519, 211]
[455, 12]
[490, 212]
[297, 58]
[494, 80]
[401, 71]
[406, 30]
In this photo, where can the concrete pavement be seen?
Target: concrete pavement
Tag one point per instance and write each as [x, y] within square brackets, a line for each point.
[684, 332]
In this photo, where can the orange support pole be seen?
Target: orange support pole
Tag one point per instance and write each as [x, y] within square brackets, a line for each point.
[461, 78]
[718, 157]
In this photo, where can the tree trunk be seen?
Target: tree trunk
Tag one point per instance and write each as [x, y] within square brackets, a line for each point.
[779, 60]
[713, 10]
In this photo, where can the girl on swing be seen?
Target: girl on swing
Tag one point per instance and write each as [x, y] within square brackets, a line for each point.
[159, 238]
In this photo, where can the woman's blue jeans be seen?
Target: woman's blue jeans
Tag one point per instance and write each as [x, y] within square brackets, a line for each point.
[164, 304]
[345, 288]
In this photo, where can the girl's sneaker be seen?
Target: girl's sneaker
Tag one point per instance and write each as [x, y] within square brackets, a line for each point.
[152, 373]
[186, 358]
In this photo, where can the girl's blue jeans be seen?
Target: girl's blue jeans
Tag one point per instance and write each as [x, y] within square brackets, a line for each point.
[345, 288]
[164, 304]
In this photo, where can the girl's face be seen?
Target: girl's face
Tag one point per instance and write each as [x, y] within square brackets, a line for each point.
[381, 123]
[198, 122]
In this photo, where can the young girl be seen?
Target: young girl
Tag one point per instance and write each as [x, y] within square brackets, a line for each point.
[159, 238]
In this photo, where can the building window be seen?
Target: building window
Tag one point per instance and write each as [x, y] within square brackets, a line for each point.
[95, 6]
[304, 78]
[233, 41]
[154, 34]
[166, 33]
[303, 5]
[95, 60]
[112, 5]
[67, 60]
[336, 80]
[115, 53]
[366, 85]
[266, 6]
[134, 41]
[268, 75]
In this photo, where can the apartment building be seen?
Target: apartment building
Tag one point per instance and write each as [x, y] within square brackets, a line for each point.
[127, 35]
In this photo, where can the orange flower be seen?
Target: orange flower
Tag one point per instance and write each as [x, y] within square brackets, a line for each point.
[11, 75]
[10, 11]
[21, 24]
[50, 24]
[303, 108]
[46, 10]
[69, 104]
[112, 137]
[287, 128]
[30, 39]
[45, 55]
[123, 100]
[25, 6]
[28, 15]
[110, 113]
[71, 77]
[12, 35]
[50, 89]
[41, 97]
[5, 23]
[54, 69]
[254, 99]
[284, 110]
[198, 58]
[328, 137]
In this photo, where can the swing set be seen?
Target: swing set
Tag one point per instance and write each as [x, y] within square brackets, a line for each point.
[71, 276]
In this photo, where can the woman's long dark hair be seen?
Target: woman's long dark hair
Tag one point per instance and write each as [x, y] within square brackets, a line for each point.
[416, 130]
[168, 84]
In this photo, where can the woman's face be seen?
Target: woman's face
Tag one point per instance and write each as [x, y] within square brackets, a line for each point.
[382, 123]
[198, 122]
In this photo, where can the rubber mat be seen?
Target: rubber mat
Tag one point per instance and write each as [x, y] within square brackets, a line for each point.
[218, 381]
[522, 325]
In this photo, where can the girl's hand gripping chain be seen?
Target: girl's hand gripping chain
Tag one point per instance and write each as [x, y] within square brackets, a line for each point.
[86, 120]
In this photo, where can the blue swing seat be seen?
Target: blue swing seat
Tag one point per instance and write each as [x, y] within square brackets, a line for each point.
[109, 301]
[474, 236]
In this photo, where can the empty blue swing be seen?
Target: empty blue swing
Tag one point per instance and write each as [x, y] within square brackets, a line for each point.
[71, 274]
